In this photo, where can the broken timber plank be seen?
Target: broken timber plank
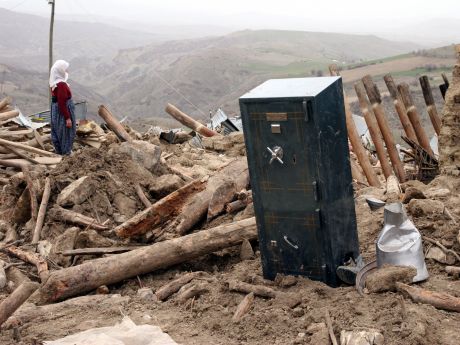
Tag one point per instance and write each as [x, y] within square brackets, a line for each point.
[42, 211]
[9, 115]
[244, 307]
[159, 212]
[32, 258]
[26, 147]
[90, 275]
[199, 205]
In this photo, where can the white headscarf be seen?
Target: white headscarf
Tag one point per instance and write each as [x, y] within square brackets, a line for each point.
[58, 73]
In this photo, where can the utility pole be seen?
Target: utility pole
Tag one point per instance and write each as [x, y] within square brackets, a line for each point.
[50, 53]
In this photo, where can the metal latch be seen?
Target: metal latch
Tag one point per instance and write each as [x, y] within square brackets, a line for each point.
[277, 153]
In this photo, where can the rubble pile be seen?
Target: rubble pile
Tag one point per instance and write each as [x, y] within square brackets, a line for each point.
[160, 227]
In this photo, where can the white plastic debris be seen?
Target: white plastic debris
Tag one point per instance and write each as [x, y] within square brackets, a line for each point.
[361, 338]
[124, 333]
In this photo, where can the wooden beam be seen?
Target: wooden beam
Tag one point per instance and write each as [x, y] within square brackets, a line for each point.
[414, 117]
[26, 147]
[355, 140]
[16, 299]
[374, 97]
[400, 108]
[431, 106]
[5, 102]
[374, 130]
[9, 115]
[114, 124]
[42, 211]
[90, 275]
[189, 122]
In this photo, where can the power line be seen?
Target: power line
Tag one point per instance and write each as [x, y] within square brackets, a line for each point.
[17, 5]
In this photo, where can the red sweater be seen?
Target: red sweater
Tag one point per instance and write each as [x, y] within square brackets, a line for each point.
[62, 94]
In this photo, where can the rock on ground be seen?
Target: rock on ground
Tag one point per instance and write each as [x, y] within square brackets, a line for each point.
[76, 192]
[386, 277]
[142, 152]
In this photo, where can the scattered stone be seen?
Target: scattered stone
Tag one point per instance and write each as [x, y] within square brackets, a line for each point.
[246, 251]
[413, 184]
[65, 241]
[103, 290]
[435, 193]
[425, 207]
[92, 239]
[285, 281]
[76, 192]
[438, 255]
[165, 185]
[319, 334]
[385, 278]
[298, 312]
[146, 294]
[125, 205]
[370, 337]
[44, 248]
[142, 152]
[412, 193]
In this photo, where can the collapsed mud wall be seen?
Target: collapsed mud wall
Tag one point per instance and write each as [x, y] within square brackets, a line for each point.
[449, 139]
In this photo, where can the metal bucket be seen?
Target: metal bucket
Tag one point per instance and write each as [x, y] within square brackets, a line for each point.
[400, 243]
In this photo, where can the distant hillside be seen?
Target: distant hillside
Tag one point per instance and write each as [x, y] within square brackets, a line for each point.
[24, 40]
[29, 90]
[214, 72]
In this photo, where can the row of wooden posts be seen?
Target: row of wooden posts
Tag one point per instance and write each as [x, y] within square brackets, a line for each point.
[370, 102]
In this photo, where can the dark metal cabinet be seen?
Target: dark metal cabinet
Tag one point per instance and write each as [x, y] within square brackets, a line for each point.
[297, 149]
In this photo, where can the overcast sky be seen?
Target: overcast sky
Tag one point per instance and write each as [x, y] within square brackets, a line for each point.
[358, 16]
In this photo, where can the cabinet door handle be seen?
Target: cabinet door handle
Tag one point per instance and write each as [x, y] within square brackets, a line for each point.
[295, 246]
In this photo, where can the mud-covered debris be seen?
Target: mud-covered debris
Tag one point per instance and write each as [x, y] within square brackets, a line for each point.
[76, 192]
[385, 278]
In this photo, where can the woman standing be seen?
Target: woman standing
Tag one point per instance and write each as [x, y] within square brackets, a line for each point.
[63, 127]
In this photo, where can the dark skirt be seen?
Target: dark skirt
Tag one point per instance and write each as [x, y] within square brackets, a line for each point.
[61, 136]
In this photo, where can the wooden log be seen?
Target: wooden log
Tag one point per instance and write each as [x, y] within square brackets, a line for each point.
[98, 251]
[400, 108]
[374, 97]
[90, 275]
[172, 287]
[12, 163]
[374, 130]
[163, 210]
[414, 117]
[5, 102]
[244, 307]
[9, 115]
[39, 139]
[14, 134]
[113, 124]
[198, 205]
[32, 194]
[18, 153]
[30, 143]
[187, 121]
[192, 291]
[453, 270]
[31, 258]
[330, 328]
[42, 211]
[141, 195]
[355, 140]
[258, 290]
[431, 106]
[19, 162]
[16, 299]
[61, 214]
[29, 312]
[438, 300]
[237, 205]
[26, 147]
